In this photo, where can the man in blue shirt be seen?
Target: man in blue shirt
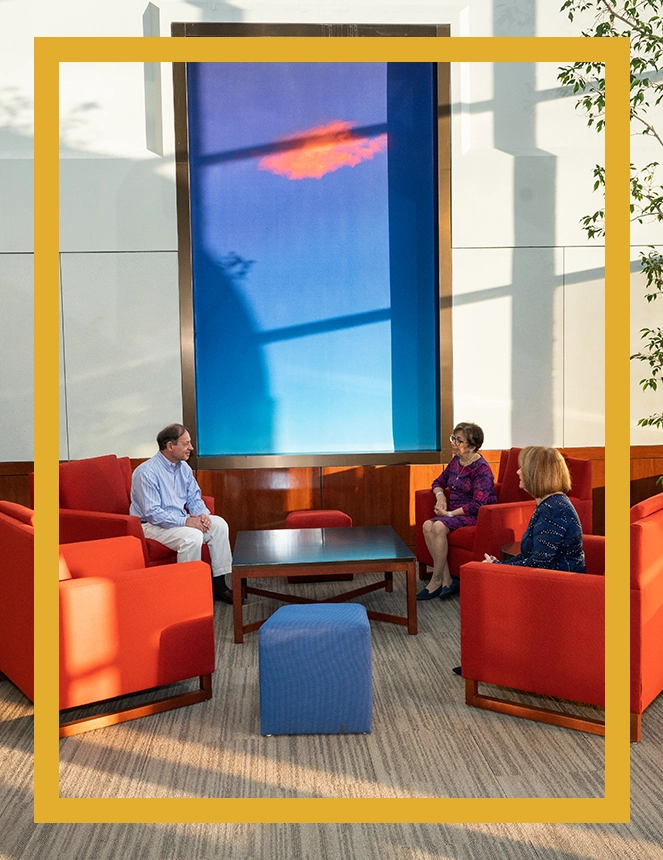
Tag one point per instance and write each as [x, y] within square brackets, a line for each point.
[166, 497]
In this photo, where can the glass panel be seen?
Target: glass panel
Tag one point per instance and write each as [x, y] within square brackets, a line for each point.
[314, 244]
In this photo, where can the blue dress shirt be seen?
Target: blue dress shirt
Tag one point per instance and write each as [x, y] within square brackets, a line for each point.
[165, 494]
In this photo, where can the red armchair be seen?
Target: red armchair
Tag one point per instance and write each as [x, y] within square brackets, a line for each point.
[319, 519]
[646, 607]
[125, 627]
[543, 631]
[94, 504]
[501, 523]
[17, 596]
[536, 630]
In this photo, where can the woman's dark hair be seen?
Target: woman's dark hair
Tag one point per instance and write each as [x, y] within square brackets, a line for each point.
[473, 433]
[171, 433]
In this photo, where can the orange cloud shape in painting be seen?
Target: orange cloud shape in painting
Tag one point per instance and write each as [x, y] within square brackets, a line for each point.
[321, 150]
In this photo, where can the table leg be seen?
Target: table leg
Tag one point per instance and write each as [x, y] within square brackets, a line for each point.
[412, 598]
[238, 621]
[389, 577]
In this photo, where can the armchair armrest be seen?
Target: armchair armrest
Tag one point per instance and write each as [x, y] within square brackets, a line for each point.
[533, 629]
[424, 505]
[90, 525]
[424, 509]
[500, 524]
[103, 557]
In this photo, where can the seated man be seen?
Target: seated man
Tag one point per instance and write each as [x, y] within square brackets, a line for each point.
[166, 497]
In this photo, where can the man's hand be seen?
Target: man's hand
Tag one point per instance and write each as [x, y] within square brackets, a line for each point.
[201, 522]
[206, 521]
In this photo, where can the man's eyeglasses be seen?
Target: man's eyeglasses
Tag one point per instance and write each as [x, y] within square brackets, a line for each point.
[457, 440]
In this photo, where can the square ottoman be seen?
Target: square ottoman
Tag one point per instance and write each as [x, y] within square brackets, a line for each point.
[315, 670]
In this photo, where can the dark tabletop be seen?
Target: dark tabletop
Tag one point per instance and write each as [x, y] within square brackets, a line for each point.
[319, 546]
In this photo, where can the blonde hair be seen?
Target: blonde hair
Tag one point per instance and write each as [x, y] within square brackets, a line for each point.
[544, 471]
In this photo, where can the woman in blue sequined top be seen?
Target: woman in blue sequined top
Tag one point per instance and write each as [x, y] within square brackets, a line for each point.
[553, 538]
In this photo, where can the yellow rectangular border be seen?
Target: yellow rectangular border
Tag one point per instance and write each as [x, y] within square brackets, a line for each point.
[49, 52]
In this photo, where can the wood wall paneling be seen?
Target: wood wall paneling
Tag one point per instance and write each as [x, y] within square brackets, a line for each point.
[377, 495]
[15, 482]
[371, 495]
[260, 498]
[646, 468]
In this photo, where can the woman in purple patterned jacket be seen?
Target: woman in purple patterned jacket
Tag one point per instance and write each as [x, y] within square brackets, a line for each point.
[469, 479]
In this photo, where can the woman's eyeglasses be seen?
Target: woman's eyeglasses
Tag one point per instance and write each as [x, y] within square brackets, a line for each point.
[457, 440]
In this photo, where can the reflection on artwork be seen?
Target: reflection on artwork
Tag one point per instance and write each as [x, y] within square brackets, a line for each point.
[322, 150]
[314, 257]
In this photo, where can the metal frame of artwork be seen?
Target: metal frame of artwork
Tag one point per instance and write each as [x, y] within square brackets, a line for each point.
[445, 357]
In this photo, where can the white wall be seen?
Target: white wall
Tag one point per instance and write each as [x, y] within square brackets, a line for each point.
[528, 308]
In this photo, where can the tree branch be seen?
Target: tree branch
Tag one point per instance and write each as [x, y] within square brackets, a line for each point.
[632, 24]
[651, 128]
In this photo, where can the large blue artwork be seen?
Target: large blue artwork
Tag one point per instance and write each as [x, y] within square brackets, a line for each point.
[314, 253]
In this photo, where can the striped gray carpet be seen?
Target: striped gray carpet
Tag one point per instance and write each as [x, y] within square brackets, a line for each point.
[425, 742]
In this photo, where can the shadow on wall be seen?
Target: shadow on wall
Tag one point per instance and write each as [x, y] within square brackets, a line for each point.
[534, 211]
[122, 364]
[234, 362]
[217, 11]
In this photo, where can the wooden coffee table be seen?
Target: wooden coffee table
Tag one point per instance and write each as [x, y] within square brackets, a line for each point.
[303, 552]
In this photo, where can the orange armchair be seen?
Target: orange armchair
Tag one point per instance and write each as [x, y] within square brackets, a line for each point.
[17, 596]
[94, 504]
[504, 522]
[123, 627]
[536, 630]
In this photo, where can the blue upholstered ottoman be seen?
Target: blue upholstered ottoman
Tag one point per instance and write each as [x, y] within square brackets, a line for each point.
[315, 670]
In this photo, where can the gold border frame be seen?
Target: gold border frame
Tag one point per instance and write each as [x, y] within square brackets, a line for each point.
[443, 214]
[48, 805]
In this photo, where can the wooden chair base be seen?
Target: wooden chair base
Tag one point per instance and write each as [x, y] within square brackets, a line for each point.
[543, 715]
[100, 721]
[530, 712]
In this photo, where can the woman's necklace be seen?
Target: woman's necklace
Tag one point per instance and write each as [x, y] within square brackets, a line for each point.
[463, 466]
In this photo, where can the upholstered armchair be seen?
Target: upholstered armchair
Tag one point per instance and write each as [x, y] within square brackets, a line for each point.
[541, 631]
[17, 596]
[125, 627]
[94, 504]
[490, 532]
[319, 519]
[504, 522]
[646, 607]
